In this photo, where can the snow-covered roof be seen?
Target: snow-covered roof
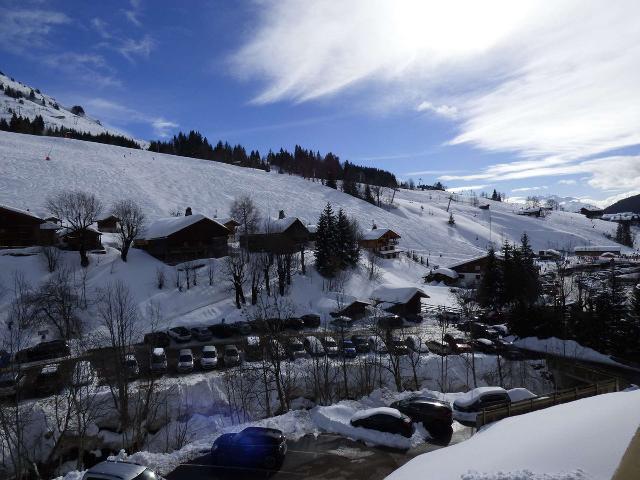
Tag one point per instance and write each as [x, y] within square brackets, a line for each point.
[468, 260]
[312, 228]
[598, 248]
[447, 272]
[49, 226]
[279, 225]
[622, 216]
[394, 295]
[158, 351]
[472, 395]
[163, 227]
[225, 220]
[376, 233]
[369, 412]
[20, 211]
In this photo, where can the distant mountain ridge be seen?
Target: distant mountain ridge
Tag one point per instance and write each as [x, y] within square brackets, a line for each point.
[629, 204]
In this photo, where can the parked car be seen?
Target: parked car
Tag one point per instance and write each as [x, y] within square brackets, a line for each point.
[416, 344]
[361, 343]
[240, 328]
[185, 361]
[252, 348]
[130, 364]
[458, 345]
[330, 346]
[201, 334]
[49, 379]
[83, 374]
[467, 406]
[342, 323]
[383, 419]
[255, 446]
[398, 346]
[157, 339]
[231, 356]
[483, 345]
[313, 346]
[349, 349]
[436, 415]
[158, 360]
[294, 323]
[413, 317]
[44, 351]
[221, 330]
[439, 347]
[180, 334]
[390, 321]
[209, 357]
[311, 320]
[377, 345]
[110, 470]
[10, 383]
[295, 347]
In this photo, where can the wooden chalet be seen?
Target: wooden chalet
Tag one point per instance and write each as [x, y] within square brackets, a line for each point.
[180, 239]
[598, 250]
[536, 212]
[21, 228]
[108, 224]
[381, 241]
[402, 301]
[470, 271]
[444, 275]
[231, 224]
[355, 310]
[70, 240]
[281, 235]
[592, 212]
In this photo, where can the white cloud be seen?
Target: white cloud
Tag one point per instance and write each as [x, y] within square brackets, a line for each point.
[89, 68]
[131, 48]
[133, 13]
[117, 113]
[447, 111]
[567, 182]
[22, 30]
[466, 188]
[529, 189]
[162, 127]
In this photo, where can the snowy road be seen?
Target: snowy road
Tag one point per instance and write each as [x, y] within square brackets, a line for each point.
[329, 457]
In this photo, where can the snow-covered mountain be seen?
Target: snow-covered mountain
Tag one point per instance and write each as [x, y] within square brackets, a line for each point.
[52, 112]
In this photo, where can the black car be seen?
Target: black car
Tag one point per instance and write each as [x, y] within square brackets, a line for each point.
[390, 321]
[157, 339]
[294, 323]
[383, 419]
[221, 330]
[201, 334]
[311, 320]
[433, 413]
[361, 343]
[255, 446]
[44, 351]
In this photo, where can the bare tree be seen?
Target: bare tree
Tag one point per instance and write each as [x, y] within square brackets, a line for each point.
[236, 270]
[160, 277]
[79, 210]
[245, 212]
[56, 302]
[372, 264]
[52, 257]
[211, 270]
[130, 223]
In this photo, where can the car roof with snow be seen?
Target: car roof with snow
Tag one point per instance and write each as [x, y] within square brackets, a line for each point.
[209, 348]
[185, 351]
[518, 394]
[369, 412]
[158, 351]
[471, 396]
[125, 470]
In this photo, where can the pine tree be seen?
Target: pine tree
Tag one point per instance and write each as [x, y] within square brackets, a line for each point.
[326, 248]
[331, 182]
[490, 283]
[368, 196]
[348, 250]
[452, 220]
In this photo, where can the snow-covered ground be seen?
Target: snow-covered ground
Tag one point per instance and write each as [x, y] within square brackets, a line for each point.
[576, 441]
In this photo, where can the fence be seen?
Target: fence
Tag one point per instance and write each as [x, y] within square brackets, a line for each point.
[493, 414]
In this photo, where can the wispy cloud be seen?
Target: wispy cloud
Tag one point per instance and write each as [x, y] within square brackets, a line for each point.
[529, 189]
[447, 111]
[133, 13]
[88, 68]
[131, 48]
[21, 30]
[115, 112]
[466, 188]
[567, 182]
[128, 47]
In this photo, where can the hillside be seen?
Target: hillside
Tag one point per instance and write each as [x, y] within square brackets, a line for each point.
[52, 112]
[629, 204]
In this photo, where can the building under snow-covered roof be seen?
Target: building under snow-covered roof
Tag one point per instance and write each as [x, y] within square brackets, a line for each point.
[597, 250]
[442, 274]
[180, 239]
[381, 241]
[399, 300]
[22, 228]
[621, 217]
[278, 235]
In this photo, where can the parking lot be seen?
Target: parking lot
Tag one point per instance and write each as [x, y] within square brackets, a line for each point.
[327, 456]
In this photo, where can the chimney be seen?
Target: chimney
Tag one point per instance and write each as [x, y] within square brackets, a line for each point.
[281, 215]
[187, 212]
[374, 226]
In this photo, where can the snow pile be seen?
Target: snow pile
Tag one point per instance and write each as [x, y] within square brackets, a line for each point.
[564, 348]
[578, 440]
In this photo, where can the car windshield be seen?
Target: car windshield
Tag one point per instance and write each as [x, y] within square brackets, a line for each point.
[157, 358]
[185, 358]
[208, 354]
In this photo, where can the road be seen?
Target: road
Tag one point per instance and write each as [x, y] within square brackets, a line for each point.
[327, 457]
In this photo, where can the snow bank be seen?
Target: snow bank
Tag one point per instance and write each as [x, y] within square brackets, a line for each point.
[577, 440]
[564, 348]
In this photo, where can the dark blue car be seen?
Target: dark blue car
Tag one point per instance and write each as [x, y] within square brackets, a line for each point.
[349, 349]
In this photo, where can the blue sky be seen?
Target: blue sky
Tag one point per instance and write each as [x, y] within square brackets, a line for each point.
[484, 95]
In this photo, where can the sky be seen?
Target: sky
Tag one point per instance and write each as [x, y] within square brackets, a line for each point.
[529, 98]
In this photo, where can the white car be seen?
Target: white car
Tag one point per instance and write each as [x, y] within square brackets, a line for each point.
[467, 406]
[119, 471]
[179, 334]
[158, 361]
[209, 358]
[185, 361]
[313, 346]
[330, 346]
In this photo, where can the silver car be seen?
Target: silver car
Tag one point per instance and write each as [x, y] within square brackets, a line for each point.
[119, 471]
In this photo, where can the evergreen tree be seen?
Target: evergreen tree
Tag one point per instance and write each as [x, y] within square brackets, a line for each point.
[348, 250]
[451, 220]
[331, 182]
[326, 248]
[368, 196]
[489, 289]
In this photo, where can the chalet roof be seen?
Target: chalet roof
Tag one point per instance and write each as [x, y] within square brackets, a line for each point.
[49, 226]
[69, 230]
[108, 217]
[163, 227]
[21, 212]
[598, 248]
[396, 295]
[447, 272]
[279, 225]
[622, 216]
[376, 233]
[225, 220]
[468, 260]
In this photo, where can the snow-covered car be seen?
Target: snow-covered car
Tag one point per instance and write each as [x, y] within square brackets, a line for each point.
[49, 379]
[341, 323]
[179, 334]
[313, 346]
[10, 383]
[83, 374]
[231, 356]
[483, 345]
[519, 394]
[119, 471]
[158, 360]
[376, 344]
[349, 349]
[201, 334]
[416, 344]
[467, 406]
[130, 363]
[434, 414]
[209, 357]
[361, 343]
[383, 419]
[295, 347]
[185, 361]
[254, 446]
[330, 346]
